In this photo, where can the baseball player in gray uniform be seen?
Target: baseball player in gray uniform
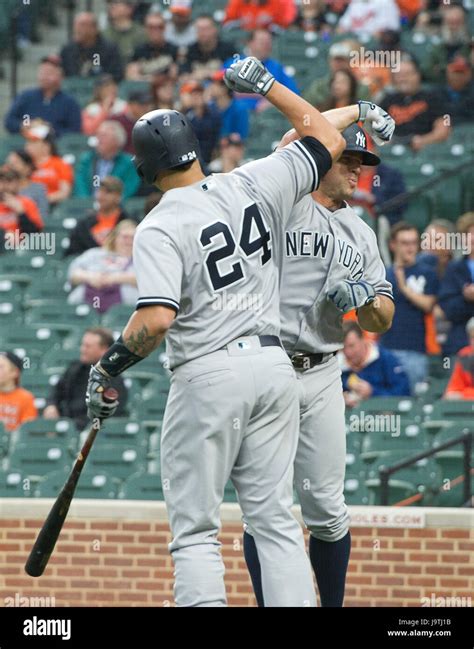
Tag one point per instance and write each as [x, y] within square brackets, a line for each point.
[206, 274]
[330, 265]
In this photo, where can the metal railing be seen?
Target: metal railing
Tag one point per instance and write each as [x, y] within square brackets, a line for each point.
[466, 439]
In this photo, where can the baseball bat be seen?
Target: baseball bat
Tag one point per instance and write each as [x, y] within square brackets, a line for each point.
[49, 533]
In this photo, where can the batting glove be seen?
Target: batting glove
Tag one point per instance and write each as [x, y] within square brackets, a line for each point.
[347, 295]
[249, 75]
[98, 383]
[378, 122]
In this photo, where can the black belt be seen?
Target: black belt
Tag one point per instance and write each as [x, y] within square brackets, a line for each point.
[270, 341]
[305, 361]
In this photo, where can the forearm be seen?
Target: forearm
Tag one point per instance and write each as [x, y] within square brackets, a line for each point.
[343, 117]
[378, 315]
[306, 119]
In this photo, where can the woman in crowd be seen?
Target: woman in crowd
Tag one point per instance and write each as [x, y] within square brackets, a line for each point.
[23, 164]
[51, 170]
[103, 277]
[342, 90]
[105, 103]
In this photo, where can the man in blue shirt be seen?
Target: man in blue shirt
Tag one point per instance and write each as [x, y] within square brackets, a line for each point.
[260, 46]
[368, 370]
[233, 112]
[415, 287]
[47, 102]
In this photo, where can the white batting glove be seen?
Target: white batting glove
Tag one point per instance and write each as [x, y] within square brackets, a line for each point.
[348, 295]
[377, 121]
[249, 75]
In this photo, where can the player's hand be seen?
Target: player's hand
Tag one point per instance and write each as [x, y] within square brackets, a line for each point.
[98, 383]
[249, 75]
[348, 295]
[377, 121]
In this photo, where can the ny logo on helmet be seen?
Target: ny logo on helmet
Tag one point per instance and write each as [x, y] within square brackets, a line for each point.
[360, 139]
[187, 157]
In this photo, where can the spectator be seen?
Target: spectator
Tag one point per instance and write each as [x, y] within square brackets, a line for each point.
[21, 162]
[260, 14]
[312, 17]
[122, 29]
[93, 229]
[56, 175]
[47, 102]
[342, 90]
[369, 18]
[418, 113]
[461, 383]
[90, 54]
[17, 213]
[415, 287]
[232, 154]
[339, 59]
[455, 39]
[67, 397]
[233, 112]
[105, 104]
[180, 30]
[155, 55]
[260, 45]
[456, 295]
[139, 103]
[376, 186]
[204, 117]
[163, 92]
[459, 91]
[17, 405]
[367, 369]
[108, 159]
[436, 250]
[103, 277]
[209, 52]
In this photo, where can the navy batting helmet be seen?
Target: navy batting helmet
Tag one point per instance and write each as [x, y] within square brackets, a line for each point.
[163, 139]
[356, 140]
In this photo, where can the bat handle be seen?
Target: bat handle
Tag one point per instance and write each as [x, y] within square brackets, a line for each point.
[110, 395]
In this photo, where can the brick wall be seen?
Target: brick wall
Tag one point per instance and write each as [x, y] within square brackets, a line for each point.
[116, 555]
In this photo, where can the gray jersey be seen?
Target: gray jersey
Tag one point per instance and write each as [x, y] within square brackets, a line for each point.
[320, 248]
[208, 251]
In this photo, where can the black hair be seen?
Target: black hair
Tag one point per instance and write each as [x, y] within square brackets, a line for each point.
[25, 156]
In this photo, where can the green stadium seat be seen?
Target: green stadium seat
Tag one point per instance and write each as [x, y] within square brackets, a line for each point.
[4, 441]
[117, 316]
[75, 207]
[72, 145]
[451, 411]
[142, 486]
[14, 484]
[9, 142]
[11, 290]
[92, 484]
[117, 459]
[410, 438]
[81, 88]
[39, 384]
[399, 490]
[48, 429]
[57, 360]
[354, 464]
[45, 290]
[10, 313]
[419, 211]
[127, 86]
[452, 495]
[36, 459]
[355, 491]
[32, 339]
[62, 317]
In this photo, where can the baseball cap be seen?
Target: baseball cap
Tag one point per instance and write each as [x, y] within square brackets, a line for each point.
[38, 131]
[140, 97]
[232, 138]
[14, 360]
[181, 6]
[191, 86]
[356, 140]
[340, 50]
[458, 64]
[112, 184]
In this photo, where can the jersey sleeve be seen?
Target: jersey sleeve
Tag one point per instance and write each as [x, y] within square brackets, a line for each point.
[375, 271]
[283, 178]
[158, 267]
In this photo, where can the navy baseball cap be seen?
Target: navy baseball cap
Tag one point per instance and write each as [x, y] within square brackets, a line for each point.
[356, 140]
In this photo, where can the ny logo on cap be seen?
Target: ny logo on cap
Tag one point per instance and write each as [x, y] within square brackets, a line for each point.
[360, 139]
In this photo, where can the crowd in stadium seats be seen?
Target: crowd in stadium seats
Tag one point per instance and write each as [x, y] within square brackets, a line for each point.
[67, 171]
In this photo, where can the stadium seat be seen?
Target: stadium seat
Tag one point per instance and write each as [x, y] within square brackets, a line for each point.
[117, 316]
[92, 484]
[81, 88]
[142, 486]
[410, 438]
[445, 410]
[10, 313]
[14, 484]
[44, 290]
[399, 490]
[62, 317]
[419, 211]
[117, 459]
[11, 141]
[4, 441]
[72, 145]
[48, 429]
[355, 491]
[36, 459]
[39, 384]
[56, 361]
[127, 86]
